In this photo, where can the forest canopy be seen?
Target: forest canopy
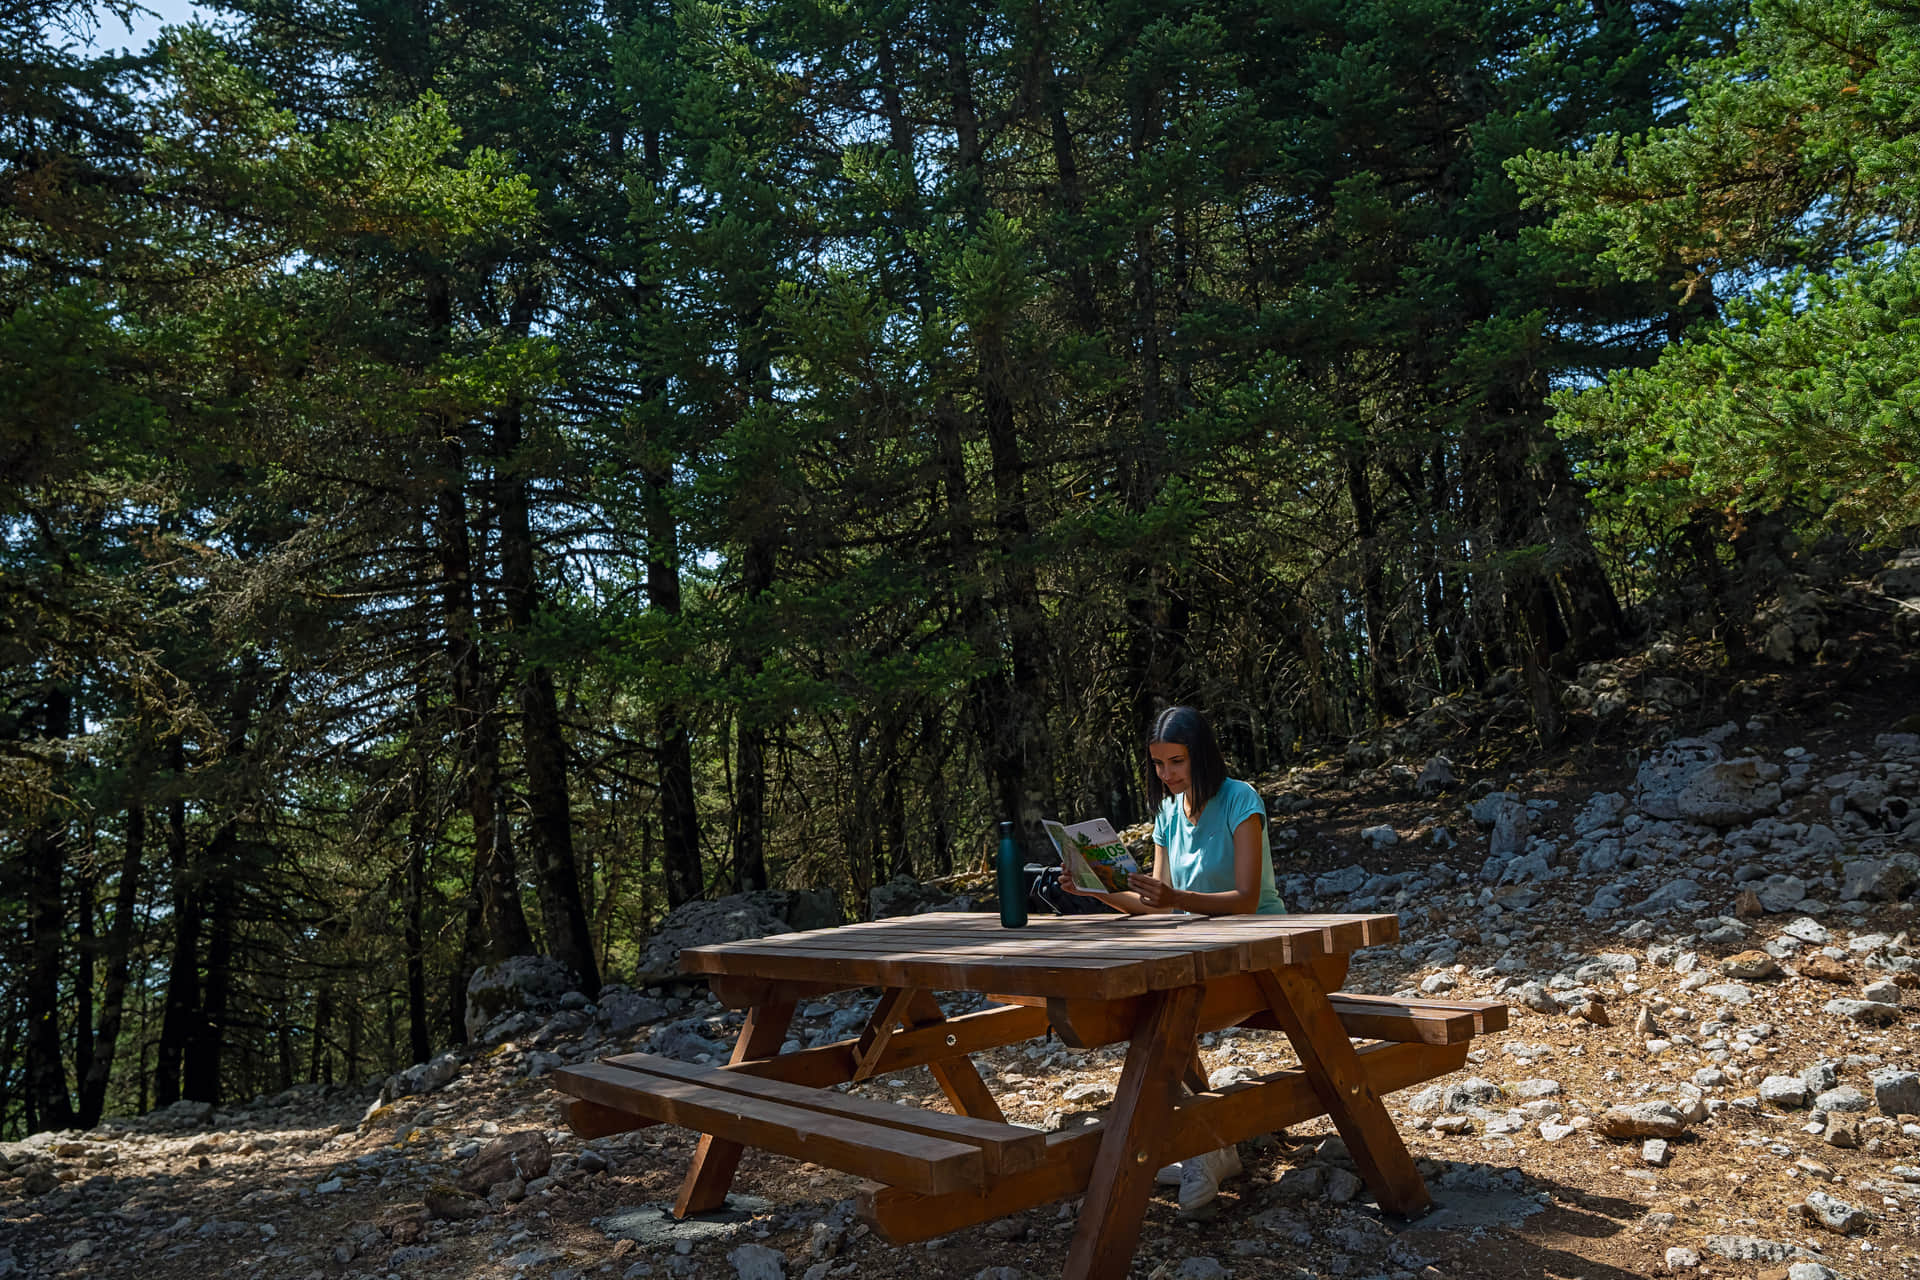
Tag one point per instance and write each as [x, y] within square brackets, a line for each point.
[478, 477]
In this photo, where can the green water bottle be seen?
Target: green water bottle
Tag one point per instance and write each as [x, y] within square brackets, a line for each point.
[1009, 881]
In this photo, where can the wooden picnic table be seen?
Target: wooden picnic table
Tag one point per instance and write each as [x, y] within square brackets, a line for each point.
[1155, 982]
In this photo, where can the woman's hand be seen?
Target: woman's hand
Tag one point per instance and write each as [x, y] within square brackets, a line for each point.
[1067, 883]
[1154, 892]
[1127, 900]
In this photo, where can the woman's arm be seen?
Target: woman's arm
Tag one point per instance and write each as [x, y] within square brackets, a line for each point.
[1156, 894]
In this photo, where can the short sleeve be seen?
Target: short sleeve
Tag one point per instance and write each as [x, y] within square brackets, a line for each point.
[1163, 825]
[1243, 802]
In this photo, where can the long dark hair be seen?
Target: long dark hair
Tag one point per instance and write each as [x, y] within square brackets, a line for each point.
[1206, 768]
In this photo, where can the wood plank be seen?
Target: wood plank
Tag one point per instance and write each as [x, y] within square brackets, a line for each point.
[1243, 1111]
[1137, 1125]
[1376, 1018]
[1006, 1148]
[956, 1075]
[1327, 1057]
[1110, 949]
[1087, 1024]
[591, 1120]
[1169, 962]
[806, 961]
[910, 938]
[881, 1024]
[1383, 926]
[942, 931]
[1174, 957]
[883, 1152]
[1467, 1018]
[982, 929]
[1230, 1001]
[1238, 1001]
[1330, 970]
[833, 1063]
[1351, 931]
[1259, 945]
[1375, 928]
[1488, 1015]
[1203, 1123]
[1342, 936]
[1133, 931]
[1089, 977]
[715, 1159]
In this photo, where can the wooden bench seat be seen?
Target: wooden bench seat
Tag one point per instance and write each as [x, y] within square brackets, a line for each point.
[1406, 1021]
[903, 1146]
[1422, 1021]
[1237, 1001]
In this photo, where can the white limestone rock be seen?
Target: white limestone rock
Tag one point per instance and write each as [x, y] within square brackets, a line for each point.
[1649, 1119]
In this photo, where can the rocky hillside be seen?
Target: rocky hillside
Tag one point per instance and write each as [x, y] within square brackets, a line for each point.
[1700, 909]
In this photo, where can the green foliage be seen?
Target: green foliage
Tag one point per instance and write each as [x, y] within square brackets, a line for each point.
[844, 423]
[1806, 399]
[1787, 200]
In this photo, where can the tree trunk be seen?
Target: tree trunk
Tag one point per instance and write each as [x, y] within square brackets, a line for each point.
[86, 947]
[1015, 730]
[1534, 665]
[1157, 651]
[1595, 621]
[419, 1036]
[764, 519]
[283, 1047]
[183, 963]
[201, 1075]
[933, 749]
[319, 1056]
[679, 812]
[543, 747]
[893, 815]
[749, 835]
[1383, 652]
[471, 958]
[1702, 542]
[119, 950]
[992, 694]
[504, 924]
[350, 1052]
[854, 817]
[49, 1104]
[10, 1049]
[201, 1066]
[475, 724]
[1535, 629]
[1085, 308]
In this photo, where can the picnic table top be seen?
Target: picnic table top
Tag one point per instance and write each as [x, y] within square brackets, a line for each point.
[1084, 956]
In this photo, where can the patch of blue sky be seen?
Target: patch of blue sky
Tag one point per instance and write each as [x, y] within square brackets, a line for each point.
[142, 25]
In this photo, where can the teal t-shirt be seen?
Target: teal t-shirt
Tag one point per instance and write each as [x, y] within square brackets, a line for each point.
[1200, 854]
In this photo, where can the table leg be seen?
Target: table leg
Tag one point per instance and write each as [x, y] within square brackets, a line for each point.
[714, 1161]
[890, 1013]
[1328, 1060]
[957, 1077]
[1122, 1179]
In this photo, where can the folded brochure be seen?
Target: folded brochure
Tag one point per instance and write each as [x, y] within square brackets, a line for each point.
[1093, 854]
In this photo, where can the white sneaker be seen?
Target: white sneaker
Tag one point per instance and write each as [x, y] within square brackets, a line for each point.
[1167, 1175]
[1200, 1177]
